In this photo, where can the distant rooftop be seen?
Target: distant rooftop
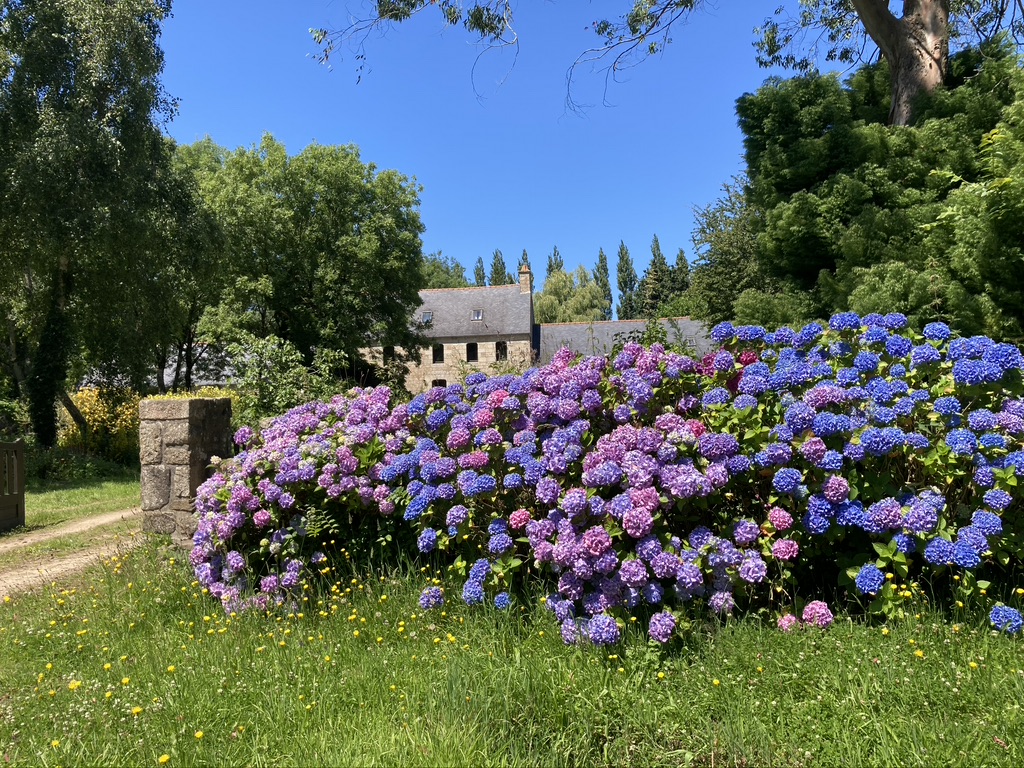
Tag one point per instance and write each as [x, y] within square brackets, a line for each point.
[479, 311]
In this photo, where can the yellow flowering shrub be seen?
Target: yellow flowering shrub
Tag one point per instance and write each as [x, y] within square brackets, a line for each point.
[113, 419]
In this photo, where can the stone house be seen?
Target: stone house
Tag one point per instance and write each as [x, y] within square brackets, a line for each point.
[481, 328]
[491, 329]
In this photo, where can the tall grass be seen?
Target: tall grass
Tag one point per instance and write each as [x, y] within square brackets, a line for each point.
[136, 666]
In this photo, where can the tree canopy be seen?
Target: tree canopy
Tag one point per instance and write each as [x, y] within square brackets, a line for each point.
[87, 193]
[569, 298]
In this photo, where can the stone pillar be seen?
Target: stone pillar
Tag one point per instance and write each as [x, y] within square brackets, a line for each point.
[177, 440]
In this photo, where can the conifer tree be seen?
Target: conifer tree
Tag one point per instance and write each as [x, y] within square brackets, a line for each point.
[654, 287]
[555, 263]
[499, 274]
[603, 280]
[479, 273]
[626, 278]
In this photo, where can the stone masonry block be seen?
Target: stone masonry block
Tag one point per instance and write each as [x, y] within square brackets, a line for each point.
[162, 410]
[158, 522]
[176, 432]
[156, 487]
[181, 489]
[150, 443]
[178, 454]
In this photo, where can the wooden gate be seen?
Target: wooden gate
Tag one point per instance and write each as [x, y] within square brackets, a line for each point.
[12, 485]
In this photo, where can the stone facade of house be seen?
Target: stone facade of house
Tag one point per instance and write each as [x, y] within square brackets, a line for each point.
[491, 329]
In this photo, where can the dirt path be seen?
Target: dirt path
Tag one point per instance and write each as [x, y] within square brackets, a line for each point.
[41, 571]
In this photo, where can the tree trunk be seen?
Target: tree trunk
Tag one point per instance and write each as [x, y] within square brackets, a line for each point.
[76, 416]
[916, 47]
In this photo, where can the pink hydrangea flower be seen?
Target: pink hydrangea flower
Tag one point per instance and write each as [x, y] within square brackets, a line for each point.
[817, 614]
[785, 549]
[788, 622]
[518, 519]
[780, 519]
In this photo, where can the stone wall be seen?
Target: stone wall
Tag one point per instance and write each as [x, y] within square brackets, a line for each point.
[455, 366]
[177, 440]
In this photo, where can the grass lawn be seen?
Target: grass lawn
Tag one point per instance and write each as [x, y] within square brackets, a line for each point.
[58, 505]
[137, 667]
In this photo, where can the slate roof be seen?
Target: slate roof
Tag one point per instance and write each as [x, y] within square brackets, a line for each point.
[598, 338]
[506, 311]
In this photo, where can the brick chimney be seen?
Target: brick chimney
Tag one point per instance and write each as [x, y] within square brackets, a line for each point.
[525, 279]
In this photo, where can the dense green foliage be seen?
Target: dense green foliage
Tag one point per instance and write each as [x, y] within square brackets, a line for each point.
[839, 211]
[441, 271]
[570, 298]
[87, 191]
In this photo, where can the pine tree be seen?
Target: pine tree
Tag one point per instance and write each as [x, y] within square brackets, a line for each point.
[679, 275]
[524, 261]
[603, 280]
[654, 288]
[626, 278]
[479, 273]
[499, 274]
[555, 263]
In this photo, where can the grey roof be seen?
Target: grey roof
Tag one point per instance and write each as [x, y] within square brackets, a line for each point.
[599, 337]
[507, 311]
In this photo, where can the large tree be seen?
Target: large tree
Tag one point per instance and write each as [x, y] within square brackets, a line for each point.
[569, 298]
[86, 190]
[627, 284]
[603, 279]
[915, 43]
[441, 271]
[499, 272]
[326, 250]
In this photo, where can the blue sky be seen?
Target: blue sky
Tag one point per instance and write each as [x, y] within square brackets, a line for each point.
[502, 163]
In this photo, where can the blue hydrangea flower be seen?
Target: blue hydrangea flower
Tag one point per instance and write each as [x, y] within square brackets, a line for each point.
[962, 442]
[502, 601]
[603, 630]
[898, 346]
[845, 321]
[432, 597]
[1006, 619]
[866, 362]
[717, 396]
[939, 552]
[427, 541]
[662, 626]
[988, 523]
[786, 480]
[997, 500]
[923, 355]
[869, 579]
[937, 332]
[722, 333]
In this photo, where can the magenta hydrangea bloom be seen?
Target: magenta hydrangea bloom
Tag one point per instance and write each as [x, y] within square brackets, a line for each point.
[788, 622]
[817, 614]
[780, 519]
[785, 549]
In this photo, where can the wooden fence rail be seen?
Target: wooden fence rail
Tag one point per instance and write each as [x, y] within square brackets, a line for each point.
[12, 485]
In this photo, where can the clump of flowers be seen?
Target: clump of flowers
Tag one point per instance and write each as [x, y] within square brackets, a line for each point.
[649, 484]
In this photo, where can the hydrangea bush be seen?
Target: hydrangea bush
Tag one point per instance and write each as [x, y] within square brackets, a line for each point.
[860, 455]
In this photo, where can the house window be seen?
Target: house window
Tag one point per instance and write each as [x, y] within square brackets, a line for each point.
[478, 314]
[438, 351]
[439, 383]
[428, 317]
[500, 350]
[471, 352]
